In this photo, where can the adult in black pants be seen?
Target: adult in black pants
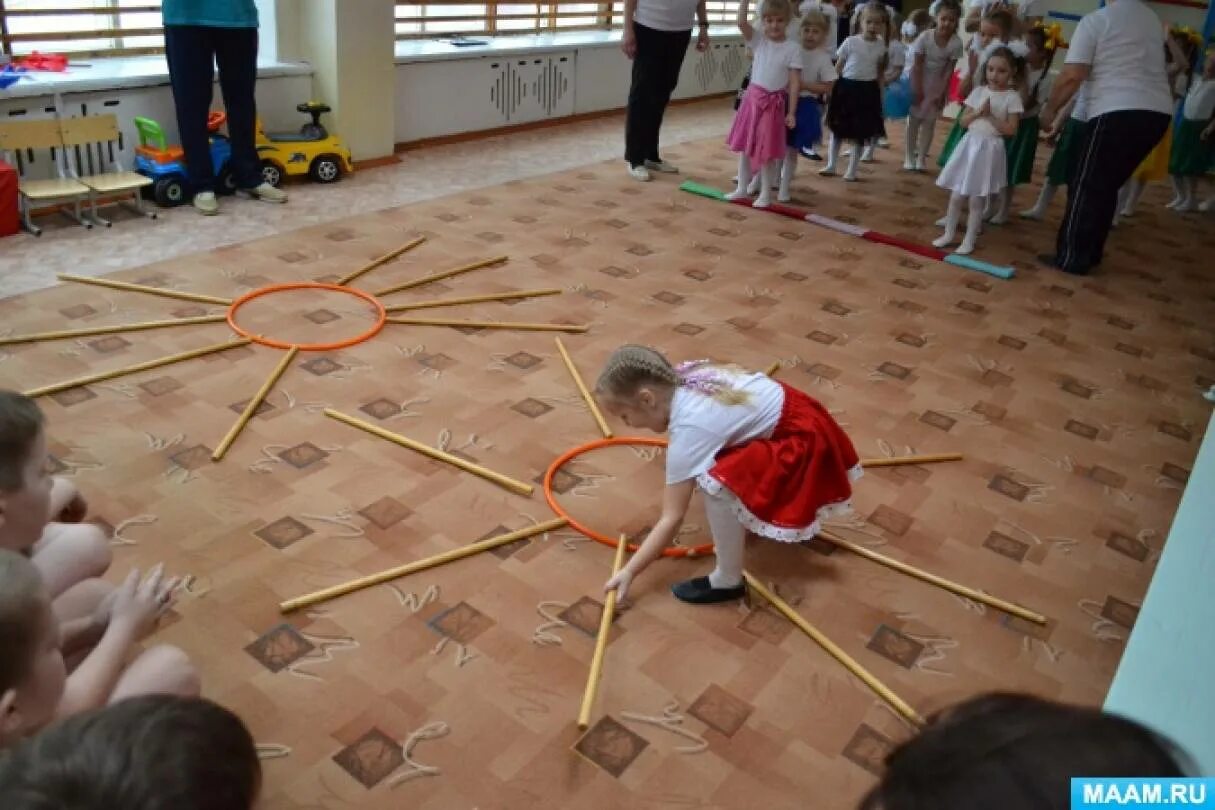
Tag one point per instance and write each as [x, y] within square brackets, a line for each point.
[1119, 51]
[199, 35]
[656, 37]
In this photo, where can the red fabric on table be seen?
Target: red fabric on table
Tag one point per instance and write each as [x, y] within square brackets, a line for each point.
[10, 223]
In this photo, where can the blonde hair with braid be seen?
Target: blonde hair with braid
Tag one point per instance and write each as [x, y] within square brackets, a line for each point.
[632, 367]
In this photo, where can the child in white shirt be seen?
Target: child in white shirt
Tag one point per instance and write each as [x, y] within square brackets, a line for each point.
[978, 167]
[818, 77]
[855, 111]
[934, 55]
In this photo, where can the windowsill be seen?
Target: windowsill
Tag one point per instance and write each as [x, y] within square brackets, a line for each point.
[121, 72]
[435, 50]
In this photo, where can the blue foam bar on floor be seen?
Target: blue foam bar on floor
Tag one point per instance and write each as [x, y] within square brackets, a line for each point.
[983, 267]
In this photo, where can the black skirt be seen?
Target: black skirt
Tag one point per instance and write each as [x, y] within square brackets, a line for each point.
[855, 111]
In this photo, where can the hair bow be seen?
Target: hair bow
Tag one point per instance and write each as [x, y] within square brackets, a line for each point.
[1185, 32]
[909, 29]
[1053, 34]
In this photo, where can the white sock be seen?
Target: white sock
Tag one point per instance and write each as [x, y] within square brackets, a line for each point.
[766, 174]
[1189, 186]
[854, 162]
[867, 152]
[1178, 192]
[833, 154]
[1003, 206]
[924, 142]
[952, 215]
[744, 178]
[787, 171]
[973, 226]
[912, 138]
[1044, 197]
[729, 542]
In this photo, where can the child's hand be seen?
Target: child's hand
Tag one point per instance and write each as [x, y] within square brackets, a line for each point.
[985, 110]
[790, 121]
[137, 606]
[620, 583]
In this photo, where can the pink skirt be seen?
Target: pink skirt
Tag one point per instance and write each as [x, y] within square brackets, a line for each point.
[759, 125]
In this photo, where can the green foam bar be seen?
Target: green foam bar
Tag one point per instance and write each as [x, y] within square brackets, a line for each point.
[702, 190]
[980, 265]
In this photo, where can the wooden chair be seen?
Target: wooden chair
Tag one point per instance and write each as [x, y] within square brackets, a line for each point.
[35, 147]
[91, 144]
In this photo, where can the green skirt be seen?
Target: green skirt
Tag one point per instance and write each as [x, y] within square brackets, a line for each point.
[1021, 150]
[951, 143]
[1191, 155]
[1057, 170]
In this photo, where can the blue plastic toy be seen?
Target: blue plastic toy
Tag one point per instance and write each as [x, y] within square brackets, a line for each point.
[167, 167]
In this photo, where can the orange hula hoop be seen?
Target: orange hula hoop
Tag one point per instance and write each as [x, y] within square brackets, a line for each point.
[582, 449]
[381, 316]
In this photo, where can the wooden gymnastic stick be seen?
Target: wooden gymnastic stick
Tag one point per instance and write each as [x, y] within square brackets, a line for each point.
[255, 403]
[34, 337]
[385, 259]
[933, 579]
[143, 288]
[522, 327]
[899, 461]
[771, 370]
[150, 364]
[850, 663]
[439, 455]
[455, 271]
[472, 299]
[601, 640]
[419, 565]
[586, 395]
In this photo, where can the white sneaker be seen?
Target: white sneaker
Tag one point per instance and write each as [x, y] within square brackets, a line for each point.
[827, 171]
[265, 192]
[867, 155]
[849, 177]
[943, 241]
[919, 164]
[206, 204]
[965, 249]
[1032, 213]
[1000, 218]
[909, 165]
[661, 166]
[940, 223]
[639, 173]
[1173, 203]
[738, 194]
[763, 200]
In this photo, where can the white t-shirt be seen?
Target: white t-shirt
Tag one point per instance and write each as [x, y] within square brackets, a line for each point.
[861, 58]
[1123, 43]
[700, 427]
[666, 15]
[1200, 101]
[772, 61]
[936, 58]
[817, 66]
[1004, 103]
[896, 60]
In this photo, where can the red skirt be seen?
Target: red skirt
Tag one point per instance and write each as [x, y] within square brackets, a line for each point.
[784, 486]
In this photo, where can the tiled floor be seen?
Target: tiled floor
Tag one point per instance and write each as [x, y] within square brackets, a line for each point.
[28, 264]
[1075, 401]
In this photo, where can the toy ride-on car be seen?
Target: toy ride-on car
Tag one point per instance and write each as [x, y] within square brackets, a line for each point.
[166, 165]
[311, 151]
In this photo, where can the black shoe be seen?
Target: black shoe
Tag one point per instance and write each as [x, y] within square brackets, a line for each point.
[698, 591]
[811, 154]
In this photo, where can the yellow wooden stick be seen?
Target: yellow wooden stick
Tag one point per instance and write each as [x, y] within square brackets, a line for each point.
[522, 327]
[385, 259]
[850, 663]
[586, 395]
[771, 370]
[420, 565]
[439, 455]
[455, 271]
[255, 403]
[601, 640]
[143, 288]
[933, 579]
[150, 364]
[141, 326]
[899, 461]
[472, 299]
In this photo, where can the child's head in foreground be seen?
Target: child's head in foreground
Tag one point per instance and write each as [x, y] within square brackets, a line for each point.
[32, 672]
[1015, 752]
[158, 752]
[25, 486]
[638, 383]
[814, 27]
[775, 16]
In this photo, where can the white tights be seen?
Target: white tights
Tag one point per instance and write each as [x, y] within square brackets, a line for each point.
[729, 541]
[919, 140]
[973, 224]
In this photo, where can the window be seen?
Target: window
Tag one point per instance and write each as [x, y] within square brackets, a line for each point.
[81, 28]
[455, 18]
